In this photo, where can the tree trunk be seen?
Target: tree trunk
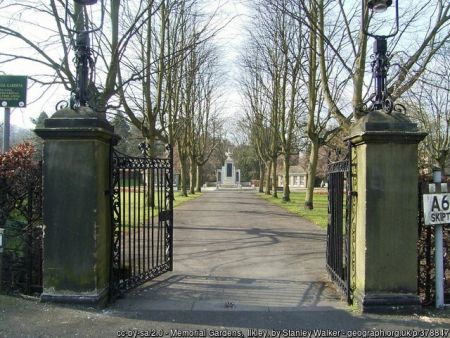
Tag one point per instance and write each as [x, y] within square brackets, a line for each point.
[149, 177]
[261, 177]
[274, 177]
[269, 169]
[149, 180]
[441, 159]
[192, 177]
[286, 190]
[312, 167]
[199, 179]
[183, 177]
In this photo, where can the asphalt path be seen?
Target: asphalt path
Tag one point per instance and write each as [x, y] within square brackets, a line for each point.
[236, 252]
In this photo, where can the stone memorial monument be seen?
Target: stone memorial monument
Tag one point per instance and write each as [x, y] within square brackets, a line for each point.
[228, 176]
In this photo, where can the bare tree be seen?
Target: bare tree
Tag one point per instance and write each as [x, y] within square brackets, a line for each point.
[319, 128]
[341, 53]
[273, 88]
[351, 52]
[156, 63]
[207, 121]
[428, 103]
[201, 111]
[51, 45]
[259, 120]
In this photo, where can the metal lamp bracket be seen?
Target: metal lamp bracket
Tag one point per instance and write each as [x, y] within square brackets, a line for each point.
[380, 63]
[87, 3]
[365, 26]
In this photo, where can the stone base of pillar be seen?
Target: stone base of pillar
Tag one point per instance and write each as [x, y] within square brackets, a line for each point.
[96, 299]
[387, 303]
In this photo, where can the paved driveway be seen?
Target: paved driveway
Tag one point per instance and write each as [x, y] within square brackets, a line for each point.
[234, 251]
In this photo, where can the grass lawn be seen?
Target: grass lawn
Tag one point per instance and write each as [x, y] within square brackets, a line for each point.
[180, 199]
[319, 215]
[133, 205]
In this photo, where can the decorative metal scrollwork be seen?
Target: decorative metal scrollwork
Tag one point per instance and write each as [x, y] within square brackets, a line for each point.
[388, 105]
[382, 99]
[144, 148]
[63, 104]
[399, 108]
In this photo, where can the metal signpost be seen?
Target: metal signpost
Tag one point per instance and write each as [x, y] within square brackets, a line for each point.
[13, 94]
[436, 211]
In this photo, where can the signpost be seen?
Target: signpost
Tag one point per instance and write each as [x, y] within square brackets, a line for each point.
[13, 91]
[436, 208]
[436, 211]
[13, 94]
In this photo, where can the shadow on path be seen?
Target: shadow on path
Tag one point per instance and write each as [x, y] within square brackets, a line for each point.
[214, 293]
[236, 252]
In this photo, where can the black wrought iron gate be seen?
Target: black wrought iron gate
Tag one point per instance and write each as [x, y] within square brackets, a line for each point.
[339, 223]
[142, 218]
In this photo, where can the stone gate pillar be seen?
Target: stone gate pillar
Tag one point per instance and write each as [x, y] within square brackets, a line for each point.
[386, 215]
[76, 213]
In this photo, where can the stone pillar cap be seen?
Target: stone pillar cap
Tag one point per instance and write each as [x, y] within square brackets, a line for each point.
[81, 123]
[379, 127]
[80, 112]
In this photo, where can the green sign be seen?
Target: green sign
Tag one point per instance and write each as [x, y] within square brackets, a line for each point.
[13, 91]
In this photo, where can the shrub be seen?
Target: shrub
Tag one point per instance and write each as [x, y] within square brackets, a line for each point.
[20, 215]
[20, 184]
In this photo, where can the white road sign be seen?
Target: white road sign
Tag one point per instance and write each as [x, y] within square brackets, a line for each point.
[436, 208]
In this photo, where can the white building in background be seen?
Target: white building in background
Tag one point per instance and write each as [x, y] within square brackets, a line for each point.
[228, 176]
[297, 177]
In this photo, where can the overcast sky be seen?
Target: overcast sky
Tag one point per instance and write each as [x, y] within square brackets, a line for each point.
[229, 40]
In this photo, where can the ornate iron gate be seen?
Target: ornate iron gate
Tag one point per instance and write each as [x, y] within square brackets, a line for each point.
[339, 230]
[142, 218]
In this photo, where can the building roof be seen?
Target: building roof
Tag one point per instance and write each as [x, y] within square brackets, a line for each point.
[296, 170]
